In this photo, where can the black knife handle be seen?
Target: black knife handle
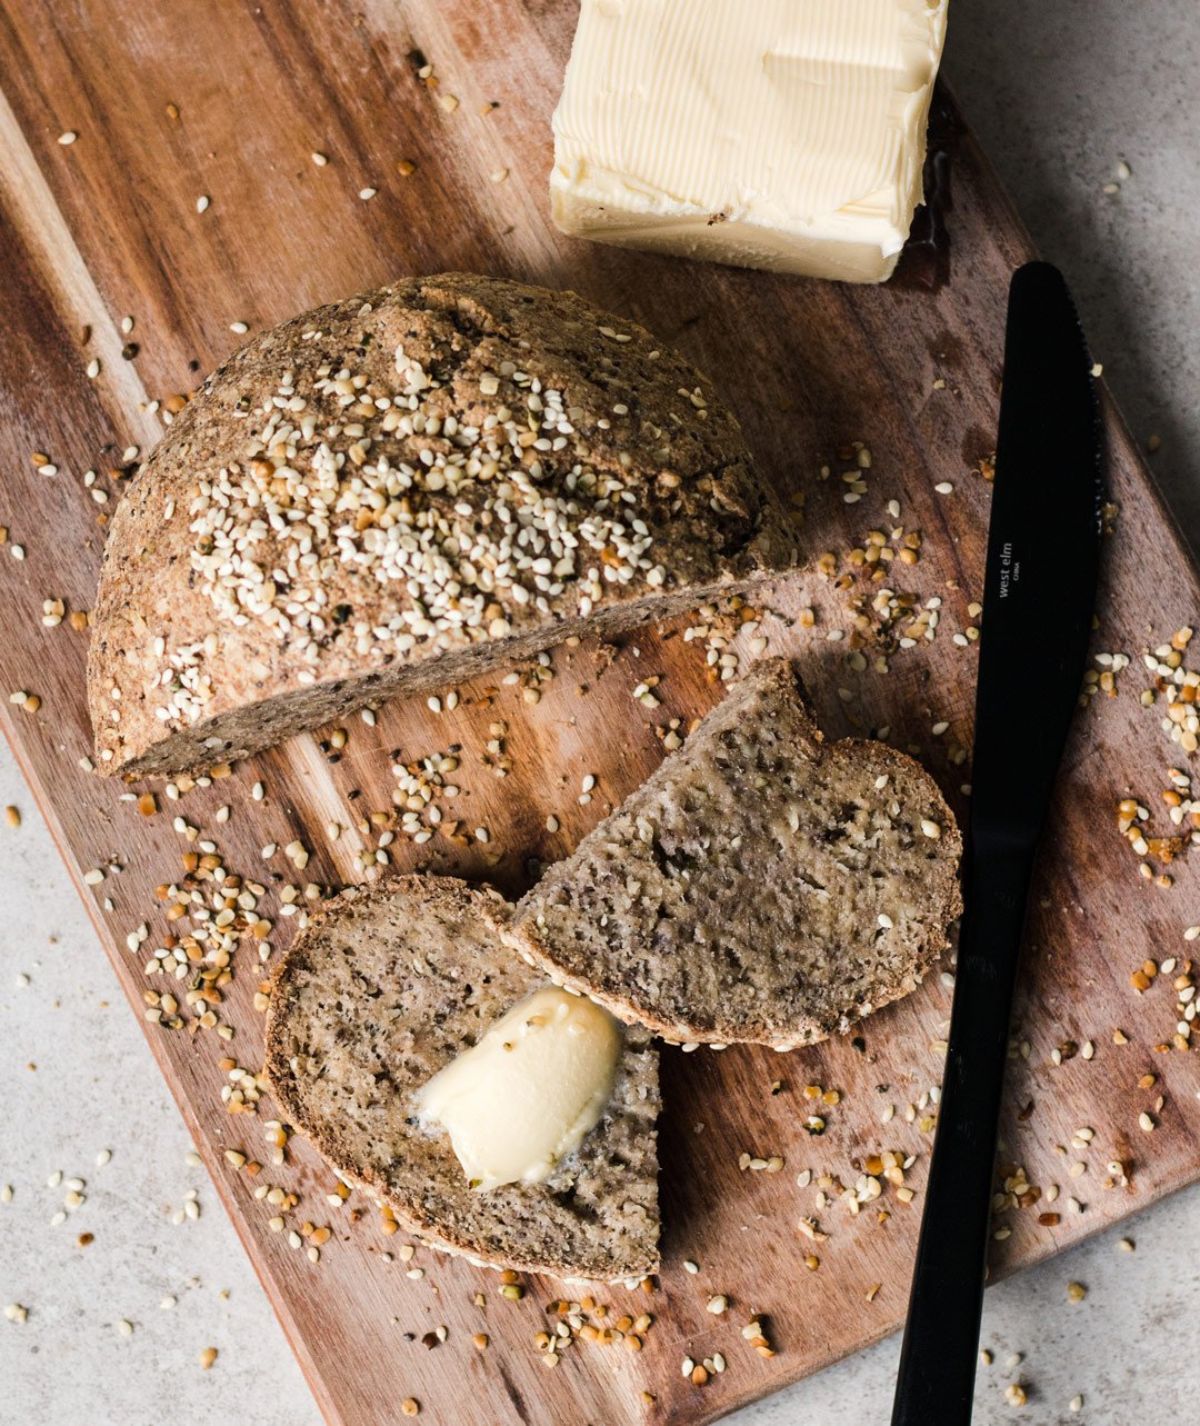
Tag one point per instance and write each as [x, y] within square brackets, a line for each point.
[941, 1337]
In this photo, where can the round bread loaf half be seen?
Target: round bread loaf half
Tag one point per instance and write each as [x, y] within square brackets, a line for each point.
[397, 492]
[384, 988]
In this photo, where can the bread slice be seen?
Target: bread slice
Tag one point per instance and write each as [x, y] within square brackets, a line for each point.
[384, 988]
[763, 885]
[398, 492]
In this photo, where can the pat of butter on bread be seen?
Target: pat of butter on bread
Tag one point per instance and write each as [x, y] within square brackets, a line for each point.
[779, 134]
[520, 1100]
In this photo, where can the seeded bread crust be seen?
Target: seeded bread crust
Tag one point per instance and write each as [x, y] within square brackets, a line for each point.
[399, 491]
[760, 886]
[383, 988]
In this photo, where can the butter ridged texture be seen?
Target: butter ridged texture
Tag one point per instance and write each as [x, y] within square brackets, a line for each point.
[786, 134]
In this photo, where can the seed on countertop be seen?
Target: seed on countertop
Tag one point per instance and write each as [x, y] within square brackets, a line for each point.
[207, 1357]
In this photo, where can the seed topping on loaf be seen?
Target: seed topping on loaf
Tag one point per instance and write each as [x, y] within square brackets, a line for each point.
[437, 466]
[473, 514]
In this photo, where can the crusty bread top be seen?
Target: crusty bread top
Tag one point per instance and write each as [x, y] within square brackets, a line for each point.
[440, 464]
[380, 992]
[763, 885]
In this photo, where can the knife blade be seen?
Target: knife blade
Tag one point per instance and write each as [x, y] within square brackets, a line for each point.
[1039, 595]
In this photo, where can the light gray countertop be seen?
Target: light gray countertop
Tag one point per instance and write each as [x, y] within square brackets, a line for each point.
[1059, 93]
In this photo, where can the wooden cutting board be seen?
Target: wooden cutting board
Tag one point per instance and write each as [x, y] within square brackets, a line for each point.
[229, 101]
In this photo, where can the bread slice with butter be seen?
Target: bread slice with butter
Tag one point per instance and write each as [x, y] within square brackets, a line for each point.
[763, 885]
[387, 988]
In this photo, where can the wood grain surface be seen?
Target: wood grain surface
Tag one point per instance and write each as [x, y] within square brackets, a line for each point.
[229, 101]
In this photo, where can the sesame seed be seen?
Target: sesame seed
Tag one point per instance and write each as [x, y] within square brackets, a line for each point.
[202, 203]
[366, 194]
[67, 138]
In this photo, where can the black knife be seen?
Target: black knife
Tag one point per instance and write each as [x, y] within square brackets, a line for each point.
[1039, 595]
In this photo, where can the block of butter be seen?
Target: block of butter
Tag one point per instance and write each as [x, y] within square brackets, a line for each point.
[783, 134]
[522, 1098]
